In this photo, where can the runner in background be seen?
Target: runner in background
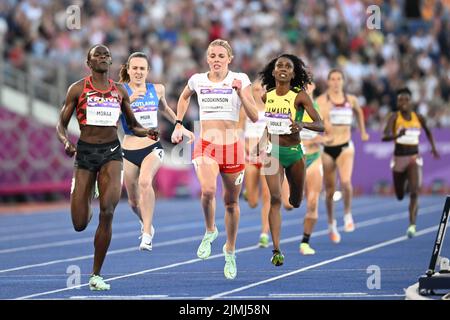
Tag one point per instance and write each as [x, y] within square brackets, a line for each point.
[404, 128]
[339, 154]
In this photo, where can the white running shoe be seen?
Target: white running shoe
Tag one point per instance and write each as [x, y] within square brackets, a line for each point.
[335, 237]
[146, 240]
[349, 225]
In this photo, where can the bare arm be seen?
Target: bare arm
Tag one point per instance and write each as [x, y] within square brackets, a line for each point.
[359, 117]
[67, 110]
[304, 100]
[248, 102]
[163, 106]
[182, 106]
[183, 102]
[388, 134]
[423, 122]
[328, 136]
[264, 138]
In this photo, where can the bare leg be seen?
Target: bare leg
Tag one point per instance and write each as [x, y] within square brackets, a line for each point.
[110, 189]
[329, 170]
[149, 168]
[274, 182]
[207, 171]
[80, 198]
[131, 176]
[232, 211]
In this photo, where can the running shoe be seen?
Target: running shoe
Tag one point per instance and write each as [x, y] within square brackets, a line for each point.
[204, 249]
[306, 250]
[146, 240]
[229, 270]
[263, 240]
[96, 283]
[335, 237]
[411, 231]
[277, 258]
[349, 225]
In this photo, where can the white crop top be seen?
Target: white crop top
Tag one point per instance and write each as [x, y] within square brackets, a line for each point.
[218, 100]
[341, 114]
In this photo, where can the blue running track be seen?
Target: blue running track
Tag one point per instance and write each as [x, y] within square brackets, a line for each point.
[39, 251]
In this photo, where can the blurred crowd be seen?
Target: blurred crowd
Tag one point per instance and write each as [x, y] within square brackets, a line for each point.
[408, 44]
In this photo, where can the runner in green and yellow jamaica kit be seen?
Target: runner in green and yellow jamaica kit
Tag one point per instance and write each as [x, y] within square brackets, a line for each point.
[284, 152]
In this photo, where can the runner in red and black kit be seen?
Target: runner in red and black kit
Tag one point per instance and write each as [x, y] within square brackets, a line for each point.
[98, 102]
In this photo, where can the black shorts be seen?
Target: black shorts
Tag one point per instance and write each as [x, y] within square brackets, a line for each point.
[93, 156]
[137, 156]
[335, 151]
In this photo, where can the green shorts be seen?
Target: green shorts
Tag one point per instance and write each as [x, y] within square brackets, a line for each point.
[310, 158]
[287, 155]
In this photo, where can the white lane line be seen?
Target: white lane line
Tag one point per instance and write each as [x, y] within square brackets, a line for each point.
[331, 295]
[366, 223]
[139, 297]
[30, 226]
[325, 262]
[174, 242]
[131, 233]
[135, 248]
[92, 228]
[14, 235]
[344, 295]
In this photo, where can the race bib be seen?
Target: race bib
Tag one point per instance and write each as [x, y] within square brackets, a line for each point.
[278, 123]
[341, 116]
[216, 99]
[102, 111]
[147, 116]
[411, 137]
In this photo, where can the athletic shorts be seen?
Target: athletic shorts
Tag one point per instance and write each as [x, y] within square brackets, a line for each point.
[401, 163]
[335, 151]
[137, 156]
[93, 156]
[287, 155]
[310, 158]
[230, 158]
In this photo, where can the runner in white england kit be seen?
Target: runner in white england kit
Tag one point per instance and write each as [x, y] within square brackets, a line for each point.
[221, 93]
